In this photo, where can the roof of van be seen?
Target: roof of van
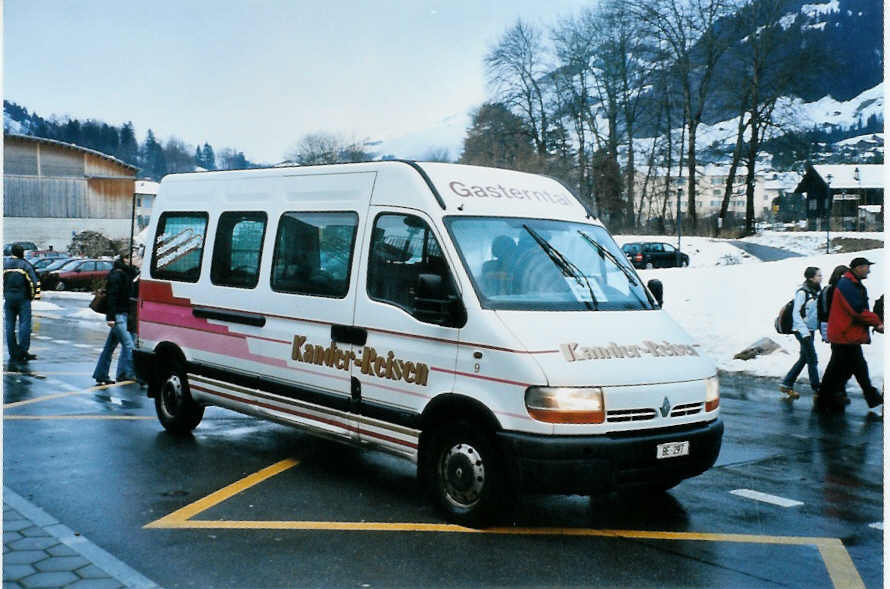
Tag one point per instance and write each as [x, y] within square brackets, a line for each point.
[453, 188]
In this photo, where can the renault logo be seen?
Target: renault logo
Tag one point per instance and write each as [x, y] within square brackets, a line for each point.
[665, 407]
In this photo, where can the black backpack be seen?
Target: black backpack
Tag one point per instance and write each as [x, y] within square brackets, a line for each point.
[784, 322]
[823, 303]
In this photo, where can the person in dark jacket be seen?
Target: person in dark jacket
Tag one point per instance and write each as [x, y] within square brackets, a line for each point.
[118, 296]
[848, 328]
[20, 287]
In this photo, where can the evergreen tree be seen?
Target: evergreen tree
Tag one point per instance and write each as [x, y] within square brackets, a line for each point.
[199, 157]
[154, 163]
[128, 149]
[208, 158]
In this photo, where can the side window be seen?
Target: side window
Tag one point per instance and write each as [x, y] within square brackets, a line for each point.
[88, 266]
[237, 249]
[668, 248]
[402, 249]
[313, 253]
[179, 244]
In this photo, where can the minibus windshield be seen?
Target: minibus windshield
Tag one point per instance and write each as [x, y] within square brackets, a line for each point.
[546, 265]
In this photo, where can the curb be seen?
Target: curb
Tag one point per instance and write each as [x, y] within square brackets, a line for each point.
[117, 569]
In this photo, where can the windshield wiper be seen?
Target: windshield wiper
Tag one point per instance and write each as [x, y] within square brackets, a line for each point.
[565, 266]
[607, 254]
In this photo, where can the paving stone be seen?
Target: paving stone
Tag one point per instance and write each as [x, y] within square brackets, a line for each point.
[13, 572]
[91, 572]
[106, 583]
[10, 514]
[61, 563]
[10, 536]
[33, 543]
[16, 525]
[24, 556]
[61, 550]
[48, 580]
[35, 532]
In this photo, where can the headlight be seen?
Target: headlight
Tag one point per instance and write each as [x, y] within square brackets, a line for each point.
[566, 404]
[712, 393]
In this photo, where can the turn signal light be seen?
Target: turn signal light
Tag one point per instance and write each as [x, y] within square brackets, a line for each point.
[566, 404]
[712, 393]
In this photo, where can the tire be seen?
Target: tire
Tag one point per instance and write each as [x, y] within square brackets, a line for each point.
[649, 265]
[684, 263]
[60, 285]
[465, 474]
[177, 411]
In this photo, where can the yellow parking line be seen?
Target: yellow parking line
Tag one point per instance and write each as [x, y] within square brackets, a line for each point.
[68, 394]
[85, 417]
[837, 560]
[193, 509]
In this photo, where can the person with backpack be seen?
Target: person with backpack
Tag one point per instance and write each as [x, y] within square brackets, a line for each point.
[20, 287]
[823, 306]
[804, 323]
[118, 288]
[848, 328]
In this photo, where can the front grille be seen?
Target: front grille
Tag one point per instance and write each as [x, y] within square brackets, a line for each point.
[630, 415]
[687, 409]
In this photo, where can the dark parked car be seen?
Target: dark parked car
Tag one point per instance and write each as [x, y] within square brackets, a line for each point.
[654, 255]
[46, 262]
[34, 255]
[26, 245]
[75, 274]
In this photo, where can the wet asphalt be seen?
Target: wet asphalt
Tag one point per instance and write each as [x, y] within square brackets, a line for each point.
[795, 499]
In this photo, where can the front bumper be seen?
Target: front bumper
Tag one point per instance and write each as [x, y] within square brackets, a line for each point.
[589, 464]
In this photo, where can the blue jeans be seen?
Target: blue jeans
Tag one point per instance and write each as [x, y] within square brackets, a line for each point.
[117, 335]
[17, 310]
[807, 357]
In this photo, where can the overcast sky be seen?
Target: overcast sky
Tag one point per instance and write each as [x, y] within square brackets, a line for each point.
[258, 75]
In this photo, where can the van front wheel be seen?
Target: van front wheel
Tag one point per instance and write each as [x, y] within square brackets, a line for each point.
[466, 474]
[177, 411]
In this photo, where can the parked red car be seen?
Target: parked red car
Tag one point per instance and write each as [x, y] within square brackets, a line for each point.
[76, 274]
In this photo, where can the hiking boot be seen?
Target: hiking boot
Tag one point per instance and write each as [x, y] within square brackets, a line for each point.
[789, 391]
[27, 356]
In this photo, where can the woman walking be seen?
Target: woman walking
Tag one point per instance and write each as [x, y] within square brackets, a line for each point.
[805, 322]
[118, 289]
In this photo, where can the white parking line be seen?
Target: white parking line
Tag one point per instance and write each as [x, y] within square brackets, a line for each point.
[40, 337]
[61, 341]
[766, 498]
[877, 525]
[82, 346]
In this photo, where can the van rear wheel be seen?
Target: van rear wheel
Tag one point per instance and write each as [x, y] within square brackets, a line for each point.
[177, 411]
[466, 474]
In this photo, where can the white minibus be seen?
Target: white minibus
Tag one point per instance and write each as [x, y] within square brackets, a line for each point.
[477, 321]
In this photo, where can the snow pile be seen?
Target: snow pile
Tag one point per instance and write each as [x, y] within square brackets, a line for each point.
[726, 309]
[806, 243]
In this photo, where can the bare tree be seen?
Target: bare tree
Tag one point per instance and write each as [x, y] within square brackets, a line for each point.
[179, 156]
[437, 154]
[328, 148]
[687, 30]
[516, 70]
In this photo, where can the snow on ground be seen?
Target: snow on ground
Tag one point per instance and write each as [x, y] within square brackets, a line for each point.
[807, 243]
[702, 251]
[728, 308]
[44, 306]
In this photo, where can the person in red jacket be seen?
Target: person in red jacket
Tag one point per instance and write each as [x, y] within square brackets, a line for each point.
[848, 328]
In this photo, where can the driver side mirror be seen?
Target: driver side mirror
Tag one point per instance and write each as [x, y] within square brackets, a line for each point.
[435, 302]
[657, 289]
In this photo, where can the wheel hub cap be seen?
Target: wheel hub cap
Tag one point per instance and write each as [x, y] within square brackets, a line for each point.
[464, 475]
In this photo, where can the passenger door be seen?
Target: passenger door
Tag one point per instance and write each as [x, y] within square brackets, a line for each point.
[669, 259]
[412, 334]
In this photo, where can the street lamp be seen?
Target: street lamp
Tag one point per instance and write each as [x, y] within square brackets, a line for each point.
[679, 230]
[827, 213]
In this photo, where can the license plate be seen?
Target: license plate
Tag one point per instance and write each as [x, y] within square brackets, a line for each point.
[672, 449]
